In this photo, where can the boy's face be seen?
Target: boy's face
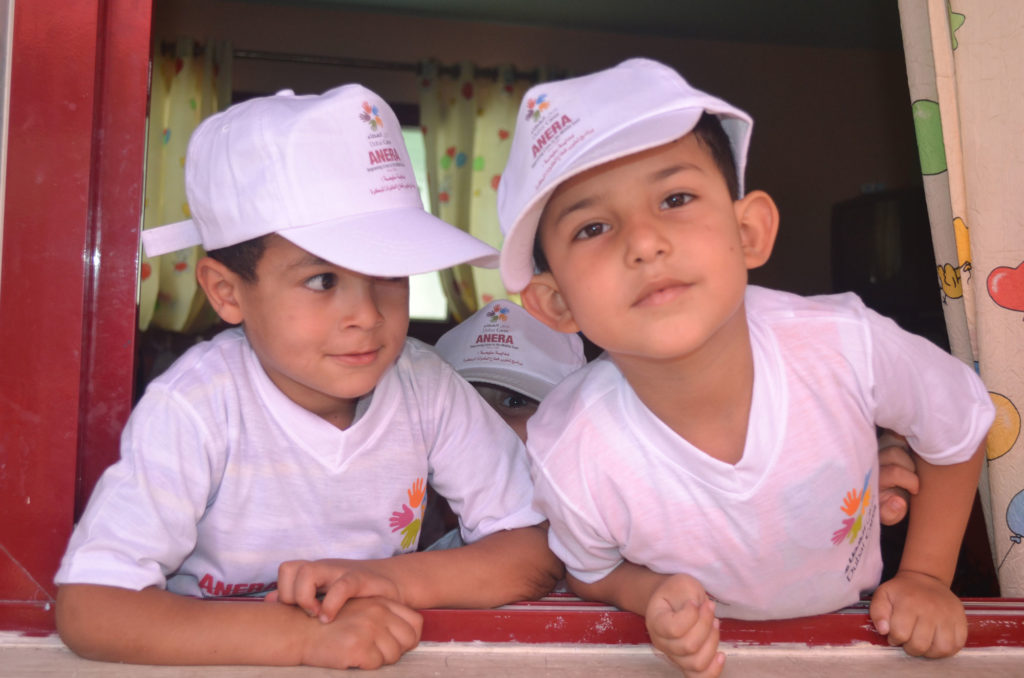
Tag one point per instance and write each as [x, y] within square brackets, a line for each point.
[648, 254]
[512, 406]
[323, 334]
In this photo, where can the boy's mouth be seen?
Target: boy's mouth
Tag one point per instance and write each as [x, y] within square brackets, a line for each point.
[660, 292]
[357, 358]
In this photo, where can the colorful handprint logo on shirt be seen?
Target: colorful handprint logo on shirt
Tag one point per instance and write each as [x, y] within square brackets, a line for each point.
[409, 519]
[854, 506]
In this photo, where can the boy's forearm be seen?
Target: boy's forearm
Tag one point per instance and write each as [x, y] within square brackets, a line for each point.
[627, 587]
[501, 568]
[938, 516]
[154, 626]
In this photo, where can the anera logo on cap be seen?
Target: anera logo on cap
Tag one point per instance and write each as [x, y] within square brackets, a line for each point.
[371, 116]
[499, 312]
[534, 107]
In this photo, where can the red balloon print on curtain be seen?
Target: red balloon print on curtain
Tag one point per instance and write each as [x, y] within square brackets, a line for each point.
[1006, 286]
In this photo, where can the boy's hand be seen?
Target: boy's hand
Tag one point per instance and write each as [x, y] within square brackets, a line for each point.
[897, 478]
[681, 622]
[920, 613]
[368, 633]
[300, 581]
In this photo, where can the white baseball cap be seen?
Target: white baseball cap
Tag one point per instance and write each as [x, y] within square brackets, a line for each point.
[329, 172]
[504, 345]
[566, 127]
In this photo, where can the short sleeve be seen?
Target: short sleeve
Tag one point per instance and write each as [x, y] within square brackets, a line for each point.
[140, 523]
[477, 463]
[926, 394]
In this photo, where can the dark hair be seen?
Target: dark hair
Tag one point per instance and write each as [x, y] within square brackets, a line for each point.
[242, 258]
[712, 136]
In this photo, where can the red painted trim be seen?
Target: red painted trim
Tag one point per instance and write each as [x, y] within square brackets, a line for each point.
[563, 619]
[69, 161]
[48, 167]
[111, 272]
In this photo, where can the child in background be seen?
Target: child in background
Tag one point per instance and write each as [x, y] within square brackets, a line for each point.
[722, 454]
[513, 361]
[310, 430]
[511, 358]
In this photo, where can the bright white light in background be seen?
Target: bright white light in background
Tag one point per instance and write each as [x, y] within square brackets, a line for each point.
[426, 296]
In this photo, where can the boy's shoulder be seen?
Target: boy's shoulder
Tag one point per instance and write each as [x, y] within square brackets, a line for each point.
[597, 380]
[225, 352]
[776, 304]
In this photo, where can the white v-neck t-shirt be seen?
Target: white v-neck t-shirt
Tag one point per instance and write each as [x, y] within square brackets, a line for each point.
[222, 477]
[792, 528]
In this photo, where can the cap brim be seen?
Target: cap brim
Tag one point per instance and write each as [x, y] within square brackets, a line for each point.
[633, 137]
[528, 385]
[393, 242]
[170, 238]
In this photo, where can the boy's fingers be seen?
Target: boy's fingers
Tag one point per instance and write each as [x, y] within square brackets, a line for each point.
[404, 630]
[305, 589]
[881, 611]
[914, 635]
[353, 585]
[892, 505]
[695, 647]
[409, 633]
[340, 592]
[895, 455]
[891, 476]
[671, 624]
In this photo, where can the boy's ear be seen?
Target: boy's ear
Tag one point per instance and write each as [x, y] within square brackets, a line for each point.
[543, 300]
[758, 218]
[221, 285]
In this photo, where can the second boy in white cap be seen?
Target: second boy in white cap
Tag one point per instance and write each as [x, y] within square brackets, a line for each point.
[511, 358]
[724, 456]
[310, 431]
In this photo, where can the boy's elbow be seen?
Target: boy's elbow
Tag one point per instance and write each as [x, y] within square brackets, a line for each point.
[544, 579]
[74, 623]
[545, 569]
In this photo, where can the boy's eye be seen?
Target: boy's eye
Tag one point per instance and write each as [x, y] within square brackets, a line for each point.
[515, 400]
[676, 200]
[322, 282]
[591, 230]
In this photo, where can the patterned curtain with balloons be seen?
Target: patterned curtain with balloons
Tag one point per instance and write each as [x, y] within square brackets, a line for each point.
[189, 83]
[964, 69]
[467, 116]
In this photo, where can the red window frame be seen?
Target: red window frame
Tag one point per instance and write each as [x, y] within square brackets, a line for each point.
[78, 91]
[76, 130]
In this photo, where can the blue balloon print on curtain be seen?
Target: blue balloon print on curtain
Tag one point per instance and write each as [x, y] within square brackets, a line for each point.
[1015, 521]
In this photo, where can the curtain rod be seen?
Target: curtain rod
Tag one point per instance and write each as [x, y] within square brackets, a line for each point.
[352, 62]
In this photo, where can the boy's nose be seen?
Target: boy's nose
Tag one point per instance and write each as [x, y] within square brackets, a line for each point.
[360, 304]
[645, 240]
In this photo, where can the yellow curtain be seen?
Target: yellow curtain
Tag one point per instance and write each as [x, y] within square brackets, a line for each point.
[963, 67]
[467, 122]
[188, 84]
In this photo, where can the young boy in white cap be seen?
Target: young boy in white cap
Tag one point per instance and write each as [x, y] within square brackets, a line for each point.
[309, 432]
[723, 457]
